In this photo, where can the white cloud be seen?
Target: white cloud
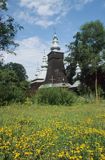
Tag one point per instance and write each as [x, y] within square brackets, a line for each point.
[44, 22]
[48, 12]
[78, 4]
[43, 12]
[29, 54]
[45, 7]
[26, 17]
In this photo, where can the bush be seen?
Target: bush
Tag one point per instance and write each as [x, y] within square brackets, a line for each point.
[55, 96]
[11, 94]
[12, 88]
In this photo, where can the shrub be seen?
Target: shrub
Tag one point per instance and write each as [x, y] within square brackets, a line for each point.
[11, 94]
[12, 89]
[55, 96]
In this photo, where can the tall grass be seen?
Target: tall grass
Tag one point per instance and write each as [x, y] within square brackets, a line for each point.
[55, 96]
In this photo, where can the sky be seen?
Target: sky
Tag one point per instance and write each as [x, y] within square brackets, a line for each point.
[41, 18]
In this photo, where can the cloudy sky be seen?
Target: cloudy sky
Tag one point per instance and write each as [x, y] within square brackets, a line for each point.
[40, 19]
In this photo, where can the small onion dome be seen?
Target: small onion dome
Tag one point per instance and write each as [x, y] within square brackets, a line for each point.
[55, 43]
[78, 70]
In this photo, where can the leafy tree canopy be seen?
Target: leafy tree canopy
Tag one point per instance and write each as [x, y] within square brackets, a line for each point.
[88, 49]
[19, 70]
[13, 83]
[3, 4]
[8, 30]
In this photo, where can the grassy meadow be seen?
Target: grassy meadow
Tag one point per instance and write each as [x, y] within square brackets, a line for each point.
[31, 132]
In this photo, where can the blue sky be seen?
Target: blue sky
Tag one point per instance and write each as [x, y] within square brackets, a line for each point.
[40, 18]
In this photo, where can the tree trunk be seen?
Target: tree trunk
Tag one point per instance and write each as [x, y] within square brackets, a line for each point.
[96, 87]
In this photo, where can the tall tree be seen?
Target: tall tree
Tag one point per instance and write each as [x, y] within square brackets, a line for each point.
[88, 49]
[13, 83]
[19, 70]
[8, 30]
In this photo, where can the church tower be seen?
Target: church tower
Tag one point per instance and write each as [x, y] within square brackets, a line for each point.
[52, 72]
[55, 71]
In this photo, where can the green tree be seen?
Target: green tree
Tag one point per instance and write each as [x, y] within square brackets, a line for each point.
[8, 30]
[13, 83]
[3, 5]
[13, 78]
[88, 49]
[19, 70]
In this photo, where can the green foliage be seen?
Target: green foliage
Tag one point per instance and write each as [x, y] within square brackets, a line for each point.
[13, 76]
[3, 4]
[70, 71]
[8, 30]
[88, 49]
[55, 96]
[18, 69]
[12, 87]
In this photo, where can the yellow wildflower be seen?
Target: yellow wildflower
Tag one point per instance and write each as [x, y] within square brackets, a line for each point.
[17, 155]
[38, 151]
[27, 153]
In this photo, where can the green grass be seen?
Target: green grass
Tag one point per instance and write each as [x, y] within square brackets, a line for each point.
[53, 132]
[44, 115]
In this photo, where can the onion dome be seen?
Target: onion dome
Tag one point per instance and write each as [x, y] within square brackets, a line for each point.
[55, 43]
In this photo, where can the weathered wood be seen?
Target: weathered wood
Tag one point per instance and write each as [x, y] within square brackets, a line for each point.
[55, 68]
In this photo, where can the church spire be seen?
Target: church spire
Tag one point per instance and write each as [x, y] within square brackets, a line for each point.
[44, 61]
[55, 43]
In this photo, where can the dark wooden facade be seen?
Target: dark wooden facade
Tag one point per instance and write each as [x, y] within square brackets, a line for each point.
[55, 71]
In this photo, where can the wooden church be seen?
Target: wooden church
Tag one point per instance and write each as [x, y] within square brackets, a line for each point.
[52, 73]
